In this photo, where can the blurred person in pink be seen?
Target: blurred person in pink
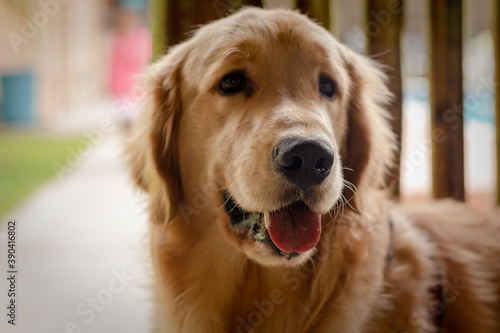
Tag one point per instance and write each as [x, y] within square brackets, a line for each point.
[131, 51]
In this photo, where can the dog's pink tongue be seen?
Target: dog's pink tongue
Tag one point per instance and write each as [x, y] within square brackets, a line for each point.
[296, 229]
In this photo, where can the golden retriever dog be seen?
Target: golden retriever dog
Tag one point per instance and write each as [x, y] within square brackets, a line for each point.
[264, 148]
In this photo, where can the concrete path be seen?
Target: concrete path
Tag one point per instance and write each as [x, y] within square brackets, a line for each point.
[81, 252]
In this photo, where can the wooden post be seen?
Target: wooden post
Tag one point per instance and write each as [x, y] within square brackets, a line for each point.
[447, 99]
[384, 24]
[316, 9]
[159, 14]
[173, 19]
[255, 3]
[334, 19]
[496, 34]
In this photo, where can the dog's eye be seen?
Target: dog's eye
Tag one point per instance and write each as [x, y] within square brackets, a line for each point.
[232, 83]
[327, 87]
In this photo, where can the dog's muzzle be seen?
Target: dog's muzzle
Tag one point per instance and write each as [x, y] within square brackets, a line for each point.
[292, 228]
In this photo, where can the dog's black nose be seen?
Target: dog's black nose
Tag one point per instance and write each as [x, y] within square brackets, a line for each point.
[303, 161]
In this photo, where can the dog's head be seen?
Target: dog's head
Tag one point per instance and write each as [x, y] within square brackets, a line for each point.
[262, 125]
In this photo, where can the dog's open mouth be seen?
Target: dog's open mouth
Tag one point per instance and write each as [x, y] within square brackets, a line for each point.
[290, 230]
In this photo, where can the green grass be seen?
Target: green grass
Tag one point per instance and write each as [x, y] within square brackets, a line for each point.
[26, 162]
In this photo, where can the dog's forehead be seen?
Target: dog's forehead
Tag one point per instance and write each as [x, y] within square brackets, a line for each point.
[254, 32]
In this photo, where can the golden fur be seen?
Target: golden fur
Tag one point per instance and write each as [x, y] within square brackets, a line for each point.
[192, 143]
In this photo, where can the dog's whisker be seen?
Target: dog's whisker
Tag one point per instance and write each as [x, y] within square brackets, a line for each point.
[339, 208]
[347, 202]
[225, 203]
[353, 189]
[181, 295]
[233, 256]
[347, 168]
[243, 263]
[350, 186]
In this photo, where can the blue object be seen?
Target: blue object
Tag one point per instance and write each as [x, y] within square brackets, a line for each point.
[18, 98]
[134, 4]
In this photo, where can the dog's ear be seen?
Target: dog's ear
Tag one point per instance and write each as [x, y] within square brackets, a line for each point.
[370, 141]
[153, 150]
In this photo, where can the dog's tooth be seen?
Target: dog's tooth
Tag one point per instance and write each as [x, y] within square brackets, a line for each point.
[288, 256]
[267, 219]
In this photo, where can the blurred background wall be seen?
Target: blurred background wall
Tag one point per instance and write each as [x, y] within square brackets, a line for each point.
[65, 45]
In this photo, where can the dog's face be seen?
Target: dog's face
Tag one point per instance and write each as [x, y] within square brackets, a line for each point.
[257, 115]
